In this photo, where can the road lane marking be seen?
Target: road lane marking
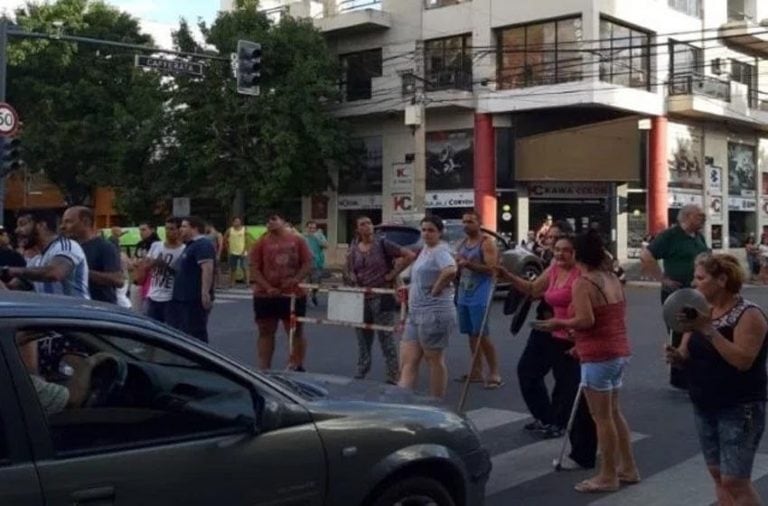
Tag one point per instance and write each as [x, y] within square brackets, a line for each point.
[685, 483]
[527, 463]
[490, 418]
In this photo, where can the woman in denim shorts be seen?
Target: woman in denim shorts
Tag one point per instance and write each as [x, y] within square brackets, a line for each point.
[724, 355]
[431, 312]
[597, 323]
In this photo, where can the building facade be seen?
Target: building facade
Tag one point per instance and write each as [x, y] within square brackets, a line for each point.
[607, 113]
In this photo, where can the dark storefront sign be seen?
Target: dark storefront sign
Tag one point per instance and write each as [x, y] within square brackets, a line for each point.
[450, 160]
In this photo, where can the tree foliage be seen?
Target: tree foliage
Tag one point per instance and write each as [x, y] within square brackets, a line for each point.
[90, 118]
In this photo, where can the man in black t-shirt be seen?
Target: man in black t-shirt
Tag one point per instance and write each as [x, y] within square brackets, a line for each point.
[8, 256]
[105, 273]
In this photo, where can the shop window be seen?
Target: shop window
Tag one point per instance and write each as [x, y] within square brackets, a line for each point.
[449, 63]
[625, 55]
[540, 53]
[364, 175]
[358, 71]
[740, 225]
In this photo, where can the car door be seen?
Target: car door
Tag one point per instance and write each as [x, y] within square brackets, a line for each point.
[18, 479]
[133, 455]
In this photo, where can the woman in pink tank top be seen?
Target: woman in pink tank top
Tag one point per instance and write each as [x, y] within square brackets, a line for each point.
[597, 321]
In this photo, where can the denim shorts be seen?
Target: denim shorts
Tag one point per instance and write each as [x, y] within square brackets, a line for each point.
[432, 330]
[729, 437]
[603, 376]
[470, 319]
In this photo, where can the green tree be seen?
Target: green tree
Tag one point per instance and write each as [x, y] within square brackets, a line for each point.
[89, 116]
[278, 146]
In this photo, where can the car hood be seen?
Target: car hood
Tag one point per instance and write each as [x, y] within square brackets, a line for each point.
[327, 387]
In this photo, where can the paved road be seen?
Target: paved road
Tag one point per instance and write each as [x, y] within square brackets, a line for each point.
[665, 442]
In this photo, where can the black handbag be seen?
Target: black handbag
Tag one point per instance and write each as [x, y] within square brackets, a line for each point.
[520, 316]
[513, 300]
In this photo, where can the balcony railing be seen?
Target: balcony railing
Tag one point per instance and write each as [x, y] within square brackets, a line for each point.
[695, 84]
[353, 5]
[449, 80]
[435, 4]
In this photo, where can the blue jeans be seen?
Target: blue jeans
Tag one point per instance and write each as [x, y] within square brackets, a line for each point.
[604, 376]
[729, 437]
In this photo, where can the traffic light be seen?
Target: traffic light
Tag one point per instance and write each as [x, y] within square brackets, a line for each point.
[10, 155]
[248, 67]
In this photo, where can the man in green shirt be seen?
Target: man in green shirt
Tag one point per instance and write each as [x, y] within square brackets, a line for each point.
[317, 243]
[678, 246]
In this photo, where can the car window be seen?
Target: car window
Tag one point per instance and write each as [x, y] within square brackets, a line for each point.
[102, 390]
[400, 235]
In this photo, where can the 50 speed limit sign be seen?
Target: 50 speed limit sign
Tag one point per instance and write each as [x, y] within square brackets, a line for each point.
[9, 120]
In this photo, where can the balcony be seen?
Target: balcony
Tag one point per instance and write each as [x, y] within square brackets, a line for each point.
[345, 17]
[694, 84]
[746, 36]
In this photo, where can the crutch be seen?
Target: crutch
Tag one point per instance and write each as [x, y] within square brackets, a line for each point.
[557, 463]
[465, 388]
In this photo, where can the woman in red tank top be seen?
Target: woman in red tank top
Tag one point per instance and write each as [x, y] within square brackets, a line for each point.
[597, 323]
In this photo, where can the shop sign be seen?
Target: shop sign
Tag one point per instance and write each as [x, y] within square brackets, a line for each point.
[357, 202]
[716, 210]
[450, 199]
[402, 177]
[714, 180]
[569, 190]
[678, 199]
[742, 170]
[402, 203]
[742, 204]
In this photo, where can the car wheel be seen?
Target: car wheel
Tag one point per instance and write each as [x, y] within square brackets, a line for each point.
[531, 271]
[416, 491]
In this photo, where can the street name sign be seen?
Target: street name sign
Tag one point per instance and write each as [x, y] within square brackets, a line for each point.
[170, 66]
[9, 120]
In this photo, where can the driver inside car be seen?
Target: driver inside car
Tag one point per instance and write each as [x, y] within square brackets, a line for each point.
[55, 397]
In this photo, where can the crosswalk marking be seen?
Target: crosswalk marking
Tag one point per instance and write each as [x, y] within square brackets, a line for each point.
[526, 463]
[490, 418]
[686, 483]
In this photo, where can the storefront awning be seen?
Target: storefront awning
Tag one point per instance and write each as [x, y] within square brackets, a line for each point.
[606, 151]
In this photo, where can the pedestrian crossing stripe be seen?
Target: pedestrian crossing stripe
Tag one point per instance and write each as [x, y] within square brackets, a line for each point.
[687, 482]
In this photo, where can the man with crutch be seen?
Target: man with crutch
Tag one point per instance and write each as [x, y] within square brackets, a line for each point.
[678, 246]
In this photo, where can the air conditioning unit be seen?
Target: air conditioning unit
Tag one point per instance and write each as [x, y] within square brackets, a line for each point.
[721, 66]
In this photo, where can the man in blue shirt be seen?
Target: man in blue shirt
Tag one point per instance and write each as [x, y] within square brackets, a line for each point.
[192, 297]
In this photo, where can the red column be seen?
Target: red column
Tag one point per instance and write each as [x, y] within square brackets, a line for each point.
[485, 170]
[658, 202]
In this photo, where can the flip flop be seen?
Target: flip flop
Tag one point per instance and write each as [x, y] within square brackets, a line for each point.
[463, 379]
[625, 480]
[494, 384]
[590, 487]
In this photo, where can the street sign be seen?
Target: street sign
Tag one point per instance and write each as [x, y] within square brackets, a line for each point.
[170, 66]
[9, 120]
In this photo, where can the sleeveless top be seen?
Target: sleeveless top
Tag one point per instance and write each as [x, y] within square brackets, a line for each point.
[474, 287]
[607, 338]
[713, 382]
[560, 297]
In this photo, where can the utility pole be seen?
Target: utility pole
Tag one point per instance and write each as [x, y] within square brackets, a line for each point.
[420, 136]
[3, 81]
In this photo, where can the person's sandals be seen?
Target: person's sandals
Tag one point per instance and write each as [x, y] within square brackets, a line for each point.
[591, 487]
[494, 384]
[627, 479]
[463, 379]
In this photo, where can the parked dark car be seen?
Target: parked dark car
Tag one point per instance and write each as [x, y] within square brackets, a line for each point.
[167, 420]
[513, 257]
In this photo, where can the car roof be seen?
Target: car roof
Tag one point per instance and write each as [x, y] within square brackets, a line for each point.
[16, 304]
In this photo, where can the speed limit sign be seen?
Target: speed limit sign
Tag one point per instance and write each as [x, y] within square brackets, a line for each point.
[9, 120]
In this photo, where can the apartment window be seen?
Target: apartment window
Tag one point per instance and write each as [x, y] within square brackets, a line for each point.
[685, 59]
[745, 73]
[540, 53]
[690, 7]
[358, 69]
[434, 4]
[625, 55]
[741, 10]
[449, 63]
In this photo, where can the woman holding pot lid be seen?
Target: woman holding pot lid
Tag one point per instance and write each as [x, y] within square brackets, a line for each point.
[724, 353]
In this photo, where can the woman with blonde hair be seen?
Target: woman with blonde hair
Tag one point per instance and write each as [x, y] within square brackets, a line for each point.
[724, 355]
